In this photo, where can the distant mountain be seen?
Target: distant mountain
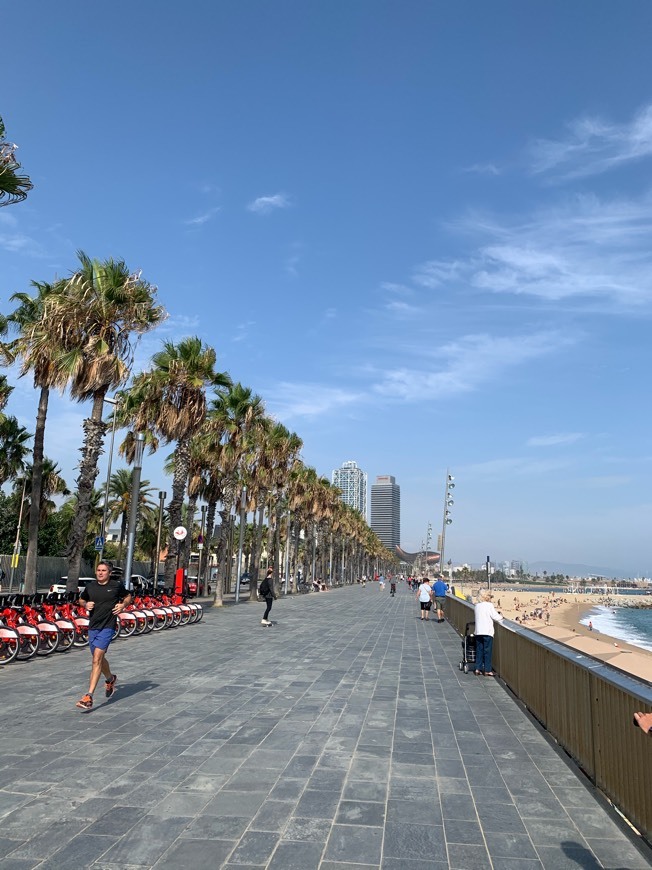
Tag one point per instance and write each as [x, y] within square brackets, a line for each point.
[574, 570]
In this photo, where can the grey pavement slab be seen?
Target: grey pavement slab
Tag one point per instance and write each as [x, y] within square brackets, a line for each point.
[362, 747]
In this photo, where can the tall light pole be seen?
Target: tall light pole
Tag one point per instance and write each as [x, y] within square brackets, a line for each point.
[428, 537]
[133, 508]
[161, 507]
[243, 521]
[446, 520]
[16, 553]
[113, 402]
[200, 547]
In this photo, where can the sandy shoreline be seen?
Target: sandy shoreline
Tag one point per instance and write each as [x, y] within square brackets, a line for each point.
[558, 617]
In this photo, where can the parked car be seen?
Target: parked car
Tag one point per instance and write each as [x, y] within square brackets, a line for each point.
[62, 585]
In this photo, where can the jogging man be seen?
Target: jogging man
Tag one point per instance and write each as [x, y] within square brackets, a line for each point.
[104, 599]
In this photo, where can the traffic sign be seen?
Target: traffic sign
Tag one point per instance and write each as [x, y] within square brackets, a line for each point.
[99, 543]
[180, 533]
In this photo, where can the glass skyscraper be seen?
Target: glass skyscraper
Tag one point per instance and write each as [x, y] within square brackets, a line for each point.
[386, 511]
[352, 481]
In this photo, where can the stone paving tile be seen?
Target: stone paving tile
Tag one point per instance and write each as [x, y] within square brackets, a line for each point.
[367, 748]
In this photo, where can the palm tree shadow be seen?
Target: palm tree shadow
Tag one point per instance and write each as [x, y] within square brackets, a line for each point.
[582, 856]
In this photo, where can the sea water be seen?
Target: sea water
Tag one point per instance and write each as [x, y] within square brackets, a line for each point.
[630, 624]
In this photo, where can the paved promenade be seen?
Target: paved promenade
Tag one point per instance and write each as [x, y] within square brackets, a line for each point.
[344, 737]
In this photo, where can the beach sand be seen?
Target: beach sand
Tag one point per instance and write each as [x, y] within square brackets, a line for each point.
[564, 626]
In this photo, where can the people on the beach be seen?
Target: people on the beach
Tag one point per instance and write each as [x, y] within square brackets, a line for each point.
[439, 591]
[485, 616]
[424, 596]
[104, 598]
[644, 722]
[266, 591]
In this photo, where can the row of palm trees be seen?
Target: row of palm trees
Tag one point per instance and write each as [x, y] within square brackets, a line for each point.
[78, 335]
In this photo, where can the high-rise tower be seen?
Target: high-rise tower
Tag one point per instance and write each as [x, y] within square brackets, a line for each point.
[386, 511]
[352, 481]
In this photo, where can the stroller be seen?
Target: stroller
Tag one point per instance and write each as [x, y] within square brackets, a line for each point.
[468, 647]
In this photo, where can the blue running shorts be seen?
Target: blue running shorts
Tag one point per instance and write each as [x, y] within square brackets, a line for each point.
[99, 638]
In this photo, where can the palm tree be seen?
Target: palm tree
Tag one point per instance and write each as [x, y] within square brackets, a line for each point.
[5, 391]
[120, 488]
[232, 418]
[13, 187]
[13, 448]
[169, 400]
[51, 484]
[37, 350]
[106, 306]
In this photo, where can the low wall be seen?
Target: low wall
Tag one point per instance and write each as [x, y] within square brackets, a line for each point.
[585, 704]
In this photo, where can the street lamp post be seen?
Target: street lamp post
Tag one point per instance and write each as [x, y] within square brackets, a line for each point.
[161, 507]
[446, 521]
[113, 402]
[133, 508]
[428, 537]
[200, 547]
[243, 521]
[16, 553]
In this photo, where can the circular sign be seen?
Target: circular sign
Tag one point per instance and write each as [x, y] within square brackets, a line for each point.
[180, 533]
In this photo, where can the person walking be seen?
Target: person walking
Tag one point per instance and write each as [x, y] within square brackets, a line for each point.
[104, 598]
[266, 591]
[424, 596]
[440, 590]
[485, 616]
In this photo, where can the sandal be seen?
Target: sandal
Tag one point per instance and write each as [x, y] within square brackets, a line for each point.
[478, 673]
[490, 674]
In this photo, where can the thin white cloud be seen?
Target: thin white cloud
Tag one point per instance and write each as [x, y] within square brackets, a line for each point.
[607, 481]
[287, 401]
[267, 204]
[594, 146]
[483, 169]
[242, 331]
[201, 219]
[7, 219]
[499, 469]
[554, 440]
[402, 309]
[585, 248]
[19, 243]
[397, 289]
[464, 365]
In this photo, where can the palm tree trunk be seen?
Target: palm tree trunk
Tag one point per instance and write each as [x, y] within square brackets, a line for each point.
[94, 431]
[37, 486]
[181, 466]
[258, 541]
[220, 552]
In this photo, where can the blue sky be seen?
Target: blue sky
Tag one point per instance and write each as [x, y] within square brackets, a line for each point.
[421, 231]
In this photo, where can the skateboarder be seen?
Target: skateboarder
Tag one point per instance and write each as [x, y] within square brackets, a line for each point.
[266, 591]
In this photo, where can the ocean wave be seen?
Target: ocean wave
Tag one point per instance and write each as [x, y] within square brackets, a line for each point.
[626, 623]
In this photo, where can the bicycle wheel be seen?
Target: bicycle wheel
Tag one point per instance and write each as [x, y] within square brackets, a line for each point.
[81, 632]
[151, 620]
[185, 614]
[66, 635]
[141, 621]
[127, 623]
[200, 612]
[29, 641]
[9, 645]
[176, 616]
[161, 619]
[48, 638]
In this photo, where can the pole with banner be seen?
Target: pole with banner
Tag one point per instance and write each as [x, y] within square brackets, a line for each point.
[179, 534]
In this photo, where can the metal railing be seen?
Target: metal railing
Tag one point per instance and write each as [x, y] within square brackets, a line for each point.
[586, 705]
